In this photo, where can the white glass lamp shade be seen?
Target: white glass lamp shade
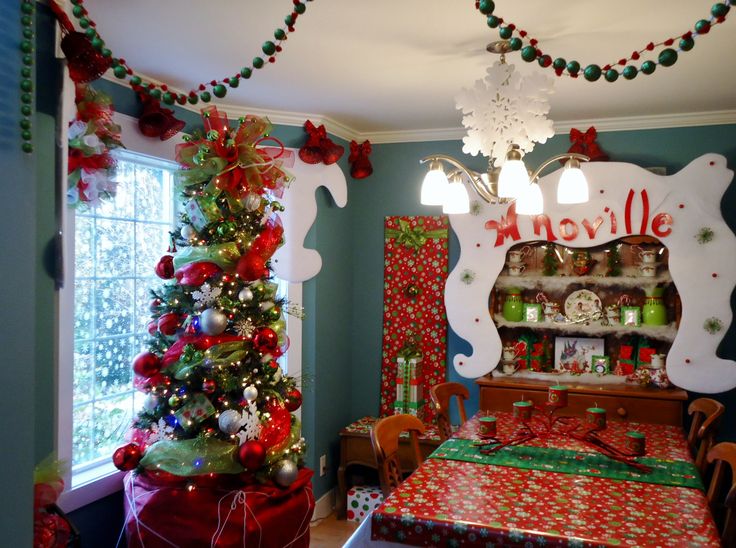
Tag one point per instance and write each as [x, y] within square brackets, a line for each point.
[513, 179]
[530, 201]
[573, 187]
[456, 199]
[434, 186]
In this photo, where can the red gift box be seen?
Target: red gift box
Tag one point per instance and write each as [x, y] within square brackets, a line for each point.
[168, 510]
[645, 355]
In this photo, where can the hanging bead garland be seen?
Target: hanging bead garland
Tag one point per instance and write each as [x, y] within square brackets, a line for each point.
[666, 58]
[27, 20]
[122, 70]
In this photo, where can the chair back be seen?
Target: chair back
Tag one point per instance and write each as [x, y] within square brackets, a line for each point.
[441, 395]
[723, 508]
[707, 414]
[385, 439]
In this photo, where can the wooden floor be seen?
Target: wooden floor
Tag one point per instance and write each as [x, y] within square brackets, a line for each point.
[331, 532]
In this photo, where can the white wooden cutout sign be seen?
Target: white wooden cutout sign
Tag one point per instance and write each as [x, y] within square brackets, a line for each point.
[625, 200]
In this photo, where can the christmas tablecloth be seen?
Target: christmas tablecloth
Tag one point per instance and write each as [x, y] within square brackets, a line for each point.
[456, 503]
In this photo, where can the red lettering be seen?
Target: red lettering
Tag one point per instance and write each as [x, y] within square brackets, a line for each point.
[506, 228]
[627, 211]
[645, 214]
[614, 226]
[568, 236]
[543, 221]
[660, 220]
[592, 229]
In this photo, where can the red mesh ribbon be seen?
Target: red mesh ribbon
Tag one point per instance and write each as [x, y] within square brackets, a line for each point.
[319, 147]
[360, 167]
[158, 122]
[584, 143]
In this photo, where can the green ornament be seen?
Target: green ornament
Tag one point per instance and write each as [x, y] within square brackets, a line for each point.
[120, 71]
[28, 59]
[300, 8]
[611, 75]
[168, 98]
[90, 33]
[219, 90]
[83, 22]
[26, 85]
[226, 229]
[174, 401]
[27, 147]
[486, 7]
[702, 27]
[258, 62]
[25, 123]
[26, 46]
[193, 99]
[648, 67]
[667, 57]
[492, 21]
[26, 98]
[26, 135]
[529, 53]
[245, 72]
[592, 73]
[155, 93]
[26, 20]
[28, 33]
[97, 43]
[26, 110]
[630, 72]
[559, 63]
[273, 314]
[515, 44]
[205, 96]
[289, 20]
[719, 10]
[505, 33]
[686, 44]
[78, 11]
[135, 80]
[27, 8]
[106, 52]
[573, 67]
[268, 47]
[213, 135]
[25, 72]
[279, 34]
[234, 81]
[544, 60]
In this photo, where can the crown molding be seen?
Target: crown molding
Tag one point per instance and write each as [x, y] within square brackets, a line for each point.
[338, 129]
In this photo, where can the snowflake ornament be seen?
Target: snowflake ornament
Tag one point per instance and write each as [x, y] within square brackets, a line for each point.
[245, 328]
[505, 108]
[250, 424]
[206, 295]
[160, 431]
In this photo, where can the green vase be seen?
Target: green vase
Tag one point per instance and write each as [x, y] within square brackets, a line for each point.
[654, 311]
[513, 306]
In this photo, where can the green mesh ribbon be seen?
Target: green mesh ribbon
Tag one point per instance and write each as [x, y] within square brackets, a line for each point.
[192, 457]
[214, 356]
[413, 238]
[223, 255]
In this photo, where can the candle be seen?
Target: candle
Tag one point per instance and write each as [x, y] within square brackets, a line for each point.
[596, 417]
[636, 443]
[557, 395]
[487, 427]
[523, 410]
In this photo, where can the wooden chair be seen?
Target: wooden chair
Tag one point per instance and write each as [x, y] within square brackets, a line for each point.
[723, 509]
[385, 439]
[707, 414]
[441, 395]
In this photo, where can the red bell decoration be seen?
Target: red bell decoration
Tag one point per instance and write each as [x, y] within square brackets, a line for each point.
[146, 364]
[196, 273]
[156, 121]
[168, 323]
[293, 400]
[251, 266]
[127, 457]
[360, 165]
[277, 428]
[584, 143]
[319, 147]
[265, 340]
[165, 267]
[252, 455]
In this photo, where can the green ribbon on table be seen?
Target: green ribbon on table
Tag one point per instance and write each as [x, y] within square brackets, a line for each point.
[413, 238]
[223, 255]
[676, 473]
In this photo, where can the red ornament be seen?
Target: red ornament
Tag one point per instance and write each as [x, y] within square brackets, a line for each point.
[127, 457]
[165, 267]
[252, 455]
[265, 340]
[278, 427]
[251, 266]
[208, 386]
[146, 364]
[156, 121]
[168, 323]
[155, 303]
[146, 385]
[584, 143]
[319, 147]
[268, 241]
[196, 273]
[152, 327]
[293, 400]
[360, 167]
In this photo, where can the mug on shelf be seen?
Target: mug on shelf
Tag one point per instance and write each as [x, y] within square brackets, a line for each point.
[657, 361]
[648, 270]
[518, 255]
[509, 353]
[646, 256]
[509, 368]
[515, 269]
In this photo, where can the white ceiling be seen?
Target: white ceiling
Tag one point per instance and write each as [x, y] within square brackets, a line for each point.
[387, 68]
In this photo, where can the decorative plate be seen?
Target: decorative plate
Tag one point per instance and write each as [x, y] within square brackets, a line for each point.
[583, 305]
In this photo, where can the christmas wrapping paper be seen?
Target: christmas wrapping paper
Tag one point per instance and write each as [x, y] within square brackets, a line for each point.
[456, 503]
[415, 270]
[363, 427]
[362, 500]
[409, 393]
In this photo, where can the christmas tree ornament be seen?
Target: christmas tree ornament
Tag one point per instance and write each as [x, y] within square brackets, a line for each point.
[252, 455]
[251, 266]
[360, 165]
[174, 401]
[209, 386]
[150, 403]
[188, 232]
[293, 400]
[169, 323]
[265, 340]
[245, 295]
[165, 267]
[152, 327]
[251, 202]
[250, 393]
[229, 421]
[154, 304]
[285, 473]
[146, 364]
[196, 273]
[212, 322]
[127, 457]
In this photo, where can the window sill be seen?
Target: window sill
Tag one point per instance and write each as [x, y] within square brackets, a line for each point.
[91, 485]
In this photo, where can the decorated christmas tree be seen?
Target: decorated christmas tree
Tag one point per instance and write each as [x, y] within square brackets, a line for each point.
[218, 402]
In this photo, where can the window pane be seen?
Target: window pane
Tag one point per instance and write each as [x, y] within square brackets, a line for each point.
[111, 420]
[115, 248]
[151, 188]
[83, 371]
[151, 243]
[112, 366]
[83, 307]
[82, 447]
[84, 260]
[113, 307]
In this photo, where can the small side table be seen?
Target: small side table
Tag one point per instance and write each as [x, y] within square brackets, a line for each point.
[355, 448]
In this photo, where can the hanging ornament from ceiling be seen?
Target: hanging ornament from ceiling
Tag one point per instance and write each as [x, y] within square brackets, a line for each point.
[27, 21]
[611, 71]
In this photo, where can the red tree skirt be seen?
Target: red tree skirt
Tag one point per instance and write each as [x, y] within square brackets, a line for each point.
[219, 511]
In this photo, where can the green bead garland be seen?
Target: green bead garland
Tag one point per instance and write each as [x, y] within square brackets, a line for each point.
[573, 67]
[529, 53]
[493, 21]
[27, 21]
[559, 63]
[686, 44]
[505, 33]
[515, 43]
[630, 72]
[648, 67]
[667, 57]
[486, 7]
[220, 91]
[258, 62]
[592, 73]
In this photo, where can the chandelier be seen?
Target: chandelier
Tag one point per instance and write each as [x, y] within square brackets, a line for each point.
[504, 114]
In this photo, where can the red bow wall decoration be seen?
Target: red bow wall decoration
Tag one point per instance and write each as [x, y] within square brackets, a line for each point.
[360, 167]
[156, 121]
[584, 143]
[319, 147]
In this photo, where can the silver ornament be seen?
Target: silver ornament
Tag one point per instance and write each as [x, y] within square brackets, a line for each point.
[286, 472]
[266, 305]
[245, 295]
[212, 322]
[188, 232]
[150, 403]
[250, 393]
[251, 202]
[229, 421]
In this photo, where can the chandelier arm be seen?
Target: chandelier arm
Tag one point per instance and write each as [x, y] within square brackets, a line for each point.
[475, 180]
[553, 159]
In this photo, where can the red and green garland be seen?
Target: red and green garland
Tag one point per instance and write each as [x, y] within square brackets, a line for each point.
[610, 71]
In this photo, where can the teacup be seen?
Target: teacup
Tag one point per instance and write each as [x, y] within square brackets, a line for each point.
[648, 256]
[515, 269]
[657, 361]
[649, 270]
[517, 255]
[509, 353]
[509, 368]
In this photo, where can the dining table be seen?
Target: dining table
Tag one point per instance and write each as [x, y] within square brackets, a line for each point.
[557, 489]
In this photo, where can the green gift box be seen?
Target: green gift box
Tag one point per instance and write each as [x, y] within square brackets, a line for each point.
[532, 312]
[631, 316]
[202, 211]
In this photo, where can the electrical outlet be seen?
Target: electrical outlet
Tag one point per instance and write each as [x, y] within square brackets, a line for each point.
[323, 465]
